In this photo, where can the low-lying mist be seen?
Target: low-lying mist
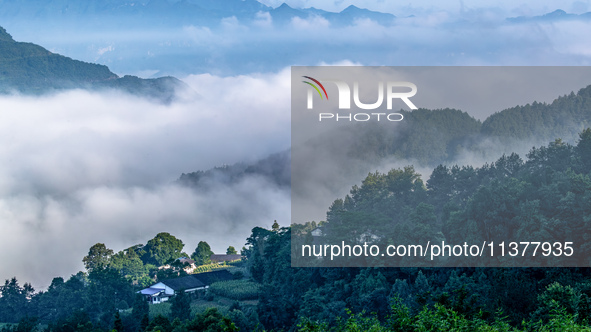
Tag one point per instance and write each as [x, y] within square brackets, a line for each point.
[81, 167]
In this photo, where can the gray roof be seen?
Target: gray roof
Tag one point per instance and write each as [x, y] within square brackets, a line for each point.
[187, 282]
[150, 291]
[186, 260]
[191, 281]
[210, 277]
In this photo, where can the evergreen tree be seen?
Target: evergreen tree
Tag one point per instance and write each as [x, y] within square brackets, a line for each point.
[202, 254]
[584, 150]
[275, 226]
[118, 324]
[231, 251]
[140, 309]
[181, 306]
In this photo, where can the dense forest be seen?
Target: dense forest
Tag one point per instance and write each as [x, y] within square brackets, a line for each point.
[551, 185]
[545, 198]
[431, 137]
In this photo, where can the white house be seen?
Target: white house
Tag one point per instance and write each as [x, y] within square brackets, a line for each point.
[157, 293]
[164, 290]
[317, 231]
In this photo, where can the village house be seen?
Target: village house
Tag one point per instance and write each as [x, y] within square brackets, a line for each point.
[165, 289]
[188, 264]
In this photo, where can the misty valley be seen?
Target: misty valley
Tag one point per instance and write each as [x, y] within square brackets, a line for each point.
[551, 186]
[164, 203]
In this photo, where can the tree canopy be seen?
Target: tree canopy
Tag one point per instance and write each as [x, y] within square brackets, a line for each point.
[163, 248]
[202, 254]
[98, 257]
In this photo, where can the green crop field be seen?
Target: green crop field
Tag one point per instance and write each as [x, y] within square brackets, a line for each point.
[236, 289]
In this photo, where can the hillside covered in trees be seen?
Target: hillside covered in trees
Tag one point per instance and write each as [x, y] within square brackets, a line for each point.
[549, 186]
[552, 184]
[31, 69]
[431, 137]
[427, 138]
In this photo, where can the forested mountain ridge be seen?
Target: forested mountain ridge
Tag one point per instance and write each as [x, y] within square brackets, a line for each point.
[438, 136]
[543, 196]
[564, 118]
[276, 168]
[31, 69]
[426, 136]
[430, 137]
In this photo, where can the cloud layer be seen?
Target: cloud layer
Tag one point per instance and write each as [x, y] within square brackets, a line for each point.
[82, 167]
[448, 34]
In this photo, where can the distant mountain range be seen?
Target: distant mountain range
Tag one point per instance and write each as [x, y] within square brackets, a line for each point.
[347, 16]
[201, 12]
[153, 38]
[31, 69]
[557, 15]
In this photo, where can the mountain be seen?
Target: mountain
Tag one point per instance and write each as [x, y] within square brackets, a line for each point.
[285, 13]
[352, 13]
[347, 16]
[179, 37]
[555, 16]
[425, 138]
[28, 67]
[166, 12]
[31, 69]
[276, 168]
[431, 137]
[565, 117]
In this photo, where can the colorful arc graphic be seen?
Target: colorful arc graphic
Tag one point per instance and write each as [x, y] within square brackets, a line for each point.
[319, 84]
